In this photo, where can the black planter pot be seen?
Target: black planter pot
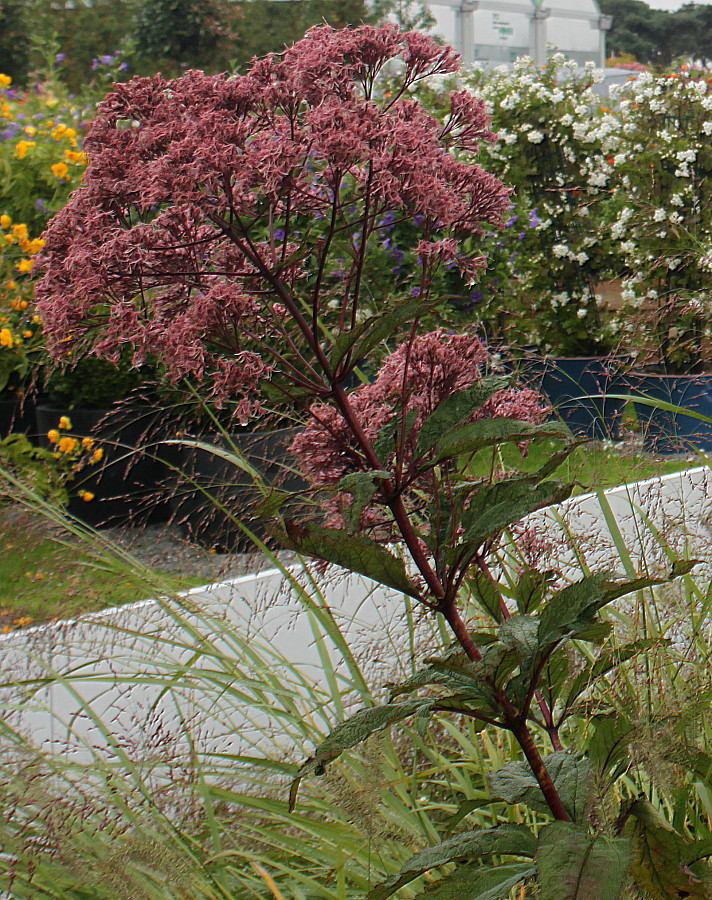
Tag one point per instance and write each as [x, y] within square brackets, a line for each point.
[128, 482]
[665, 431]
[211, 493]
[578, 389]
[17, 416]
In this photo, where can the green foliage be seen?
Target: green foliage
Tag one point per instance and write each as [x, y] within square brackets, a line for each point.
[93, 383]
[572, 864]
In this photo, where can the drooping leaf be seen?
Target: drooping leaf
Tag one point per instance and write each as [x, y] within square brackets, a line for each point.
[352, 552]
[573, 864]
[485, 592]
[362, 486]
[660, 857]
[474, 436]
[496, 506]
[530, 589]
[479, 882]
[515, 840]
[571, 774]
[608, 747]
[454, 409]
[353, 731]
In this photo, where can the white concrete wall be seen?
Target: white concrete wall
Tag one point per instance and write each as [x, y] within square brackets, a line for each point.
[129, 680]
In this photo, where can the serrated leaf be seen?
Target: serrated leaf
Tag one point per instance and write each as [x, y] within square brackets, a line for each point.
[573, 864]
[572, 608]
[660, 855]
[455, 409]
[355, 730]
[352, 552]
[608, 747]
[530, 589]
[485, 592]
[515, 840]
[496, 506]
[479, 883]
[474, 436]
[362, 486]
[571, 774]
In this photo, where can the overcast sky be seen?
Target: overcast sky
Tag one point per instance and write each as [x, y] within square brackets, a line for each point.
[672, 5]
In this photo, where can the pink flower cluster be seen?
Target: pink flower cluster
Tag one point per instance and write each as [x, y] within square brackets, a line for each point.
[193, 230]
[411, 382]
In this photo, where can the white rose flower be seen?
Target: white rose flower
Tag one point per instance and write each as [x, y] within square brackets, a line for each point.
[659, 215]
[560, 250]
[535, 137]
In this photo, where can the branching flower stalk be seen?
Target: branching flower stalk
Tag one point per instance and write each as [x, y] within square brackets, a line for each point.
[210, 231]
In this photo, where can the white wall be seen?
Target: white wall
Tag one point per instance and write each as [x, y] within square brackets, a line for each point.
[127, 679]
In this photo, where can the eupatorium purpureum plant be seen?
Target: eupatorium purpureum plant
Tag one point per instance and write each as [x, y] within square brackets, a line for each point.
[205, 232]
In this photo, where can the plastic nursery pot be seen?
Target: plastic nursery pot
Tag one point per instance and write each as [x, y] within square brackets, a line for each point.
[665, 431]
[210, 494]
[127, 483]
[578, 388]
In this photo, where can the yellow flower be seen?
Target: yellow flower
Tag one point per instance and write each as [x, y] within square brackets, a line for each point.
[22, 620]
[30, 131]
[5, 81]
[97, 455]
[65, 422]
[5, 221]
[10, 239]
[17, 303]
[86, 496]
[53, 435]
[24, 266]
[87, 443]
[21, 148]
[20, 231]
[67, 444]
[5, 337]
[35, 246]
[58, 131]
[5, 111]
[36, 320]
[27, 334]
[60, 169]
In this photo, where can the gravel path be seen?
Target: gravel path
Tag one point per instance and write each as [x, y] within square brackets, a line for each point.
[163, 547]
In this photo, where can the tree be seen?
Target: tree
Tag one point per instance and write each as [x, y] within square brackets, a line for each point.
[14, 43]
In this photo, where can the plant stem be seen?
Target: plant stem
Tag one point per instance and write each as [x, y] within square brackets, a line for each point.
[541, 773]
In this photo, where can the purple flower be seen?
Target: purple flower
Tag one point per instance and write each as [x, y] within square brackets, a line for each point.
[59, 58]
[510, 221]
[279, 234]
[534, 219]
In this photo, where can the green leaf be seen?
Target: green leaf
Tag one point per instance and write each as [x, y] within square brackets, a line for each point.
[355, 730]
[572, 609]
[352, 552]
[575, 865]
[362, 486]
[530, 589]
[571, 774]
[496, 506]
[388, 435]
[474, 436]
[374, 330]
[660, 855]
[516, 840]
[485, 592]
[608, 747]
[479, 883]
[455, 409]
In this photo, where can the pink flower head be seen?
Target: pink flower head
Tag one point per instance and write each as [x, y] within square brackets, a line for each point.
[210, 205]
